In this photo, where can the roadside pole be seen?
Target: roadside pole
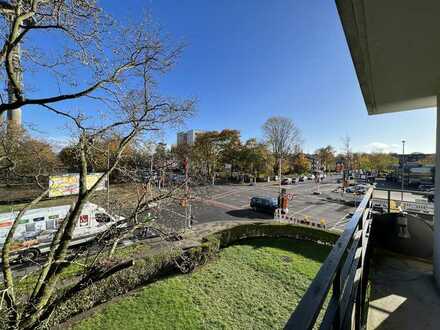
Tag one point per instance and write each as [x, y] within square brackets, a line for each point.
[187, 195]
[151, 174]
[403, 168]
[279, 172]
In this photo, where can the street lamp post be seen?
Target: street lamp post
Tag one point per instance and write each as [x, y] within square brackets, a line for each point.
[279, 173]
[150, 177]
[403, 167]
[188, 214]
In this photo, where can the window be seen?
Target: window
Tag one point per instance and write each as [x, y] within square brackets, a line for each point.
[50, 224]
[54, 216]
[30, 227]
[38, 219]
[23, 221]
[102, 218]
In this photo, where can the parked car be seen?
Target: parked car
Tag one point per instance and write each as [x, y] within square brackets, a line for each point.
[147, 176]
[264, 204]
[295, 180]
[178, 178]
[146, 233]
[310, 177]
[302, 179]
[286, 181]
[358, 189]
[426, 187]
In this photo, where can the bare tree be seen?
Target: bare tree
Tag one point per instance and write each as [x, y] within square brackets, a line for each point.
[283, 136]
[121, 65]
[96, 57]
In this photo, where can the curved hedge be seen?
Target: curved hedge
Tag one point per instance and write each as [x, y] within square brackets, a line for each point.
[151, 268]
[274, 230]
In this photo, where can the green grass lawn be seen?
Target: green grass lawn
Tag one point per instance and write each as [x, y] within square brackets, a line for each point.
[254, 285]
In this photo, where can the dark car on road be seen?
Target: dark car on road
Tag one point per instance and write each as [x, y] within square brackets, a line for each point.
[264, 204]
[426, 187]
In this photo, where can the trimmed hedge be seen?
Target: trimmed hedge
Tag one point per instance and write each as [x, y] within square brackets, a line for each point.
[273, 230]
[151, 268]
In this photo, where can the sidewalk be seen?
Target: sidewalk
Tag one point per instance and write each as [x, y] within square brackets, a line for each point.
[403, 295]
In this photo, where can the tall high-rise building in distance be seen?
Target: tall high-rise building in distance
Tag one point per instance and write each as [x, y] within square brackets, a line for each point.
[14, 115]
[188, 137]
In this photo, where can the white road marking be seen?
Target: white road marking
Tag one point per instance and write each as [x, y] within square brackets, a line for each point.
[344, 220]
[220, 204]
[230, 192]
[304, 209]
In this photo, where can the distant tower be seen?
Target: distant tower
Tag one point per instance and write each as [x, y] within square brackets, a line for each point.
[14, 115]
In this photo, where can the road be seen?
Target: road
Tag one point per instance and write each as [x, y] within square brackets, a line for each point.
[231, 202]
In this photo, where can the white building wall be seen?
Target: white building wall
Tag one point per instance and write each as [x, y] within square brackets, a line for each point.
[188, 137]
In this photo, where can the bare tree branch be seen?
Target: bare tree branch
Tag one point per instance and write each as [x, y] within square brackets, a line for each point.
[6, 265]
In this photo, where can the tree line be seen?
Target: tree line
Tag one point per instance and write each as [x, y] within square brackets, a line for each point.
[214, 154]
[280, 151]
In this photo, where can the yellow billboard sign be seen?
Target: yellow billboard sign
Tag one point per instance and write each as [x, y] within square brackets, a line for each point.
[68, 184]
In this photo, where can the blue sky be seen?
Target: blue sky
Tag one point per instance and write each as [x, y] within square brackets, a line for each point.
[248, 60]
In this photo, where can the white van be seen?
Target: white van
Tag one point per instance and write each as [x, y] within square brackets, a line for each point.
[37, 228]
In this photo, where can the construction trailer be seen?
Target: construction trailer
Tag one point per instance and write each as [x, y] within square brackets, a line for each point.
[37, 228]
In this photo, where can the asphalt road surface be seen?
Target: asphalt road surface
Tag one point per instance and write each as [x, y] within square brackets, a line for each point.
[231, 202]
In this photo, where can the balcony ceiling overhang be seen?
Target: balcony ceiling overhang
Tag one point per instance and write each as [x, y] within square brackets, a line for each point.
[395, 47]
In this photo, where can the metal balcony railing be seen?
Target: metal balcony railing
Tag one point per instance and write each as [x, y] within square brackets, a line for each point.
[345, 271]
[398, 198]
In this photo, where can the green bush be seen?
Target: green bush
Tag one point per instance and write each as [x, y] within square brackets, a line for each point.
[278, 230]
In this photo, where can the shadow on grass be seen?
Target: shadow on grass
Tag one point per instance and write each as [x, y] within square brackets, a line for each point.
[307, 249]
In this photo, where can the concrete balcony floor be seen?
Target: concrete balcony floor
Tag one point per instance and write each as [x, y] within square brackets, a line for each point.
[403, 294]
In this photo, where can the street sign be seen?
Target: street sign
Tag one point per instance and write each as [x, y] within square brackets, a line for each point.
[290, 196]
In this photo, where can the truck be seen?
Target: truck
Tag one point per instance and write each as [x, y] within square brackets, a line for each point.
[37, 227]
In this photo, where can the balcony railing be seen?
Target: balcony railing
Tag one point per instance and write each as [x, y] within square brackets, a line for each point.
[397, 198]
[345, 271]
